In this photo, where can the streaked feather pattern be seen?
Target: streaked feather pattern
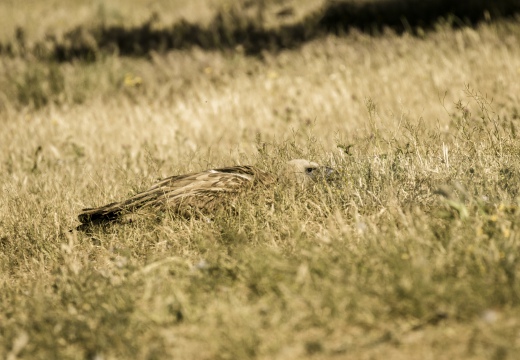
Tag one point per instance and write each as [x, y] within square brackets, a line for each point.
[184, 193]
[202, 192]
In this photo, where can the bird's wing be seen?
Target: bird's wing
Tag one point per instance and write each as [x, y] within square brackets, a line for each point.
[183, 193]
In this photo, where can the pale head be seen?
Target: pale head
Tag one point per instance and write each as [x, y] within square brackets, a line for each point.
[304, 172]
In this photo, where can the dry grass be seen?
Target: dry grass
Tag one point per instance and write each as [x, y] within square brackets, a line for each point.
[379, 265]
[38, 18]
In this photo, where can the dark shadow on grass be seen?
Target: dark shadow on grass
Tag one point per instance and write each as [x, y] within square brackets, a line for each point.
[409, 15]
[232, 30]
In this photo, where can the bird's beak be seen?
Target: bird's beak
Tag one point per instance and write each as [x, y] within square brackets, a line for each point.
[327, 173]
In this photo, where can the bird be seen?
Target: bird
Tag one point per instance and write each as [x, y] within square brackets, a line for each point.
[204, 192]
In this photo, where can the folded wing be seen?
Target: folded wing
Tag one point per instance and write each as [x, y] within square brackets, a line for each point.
[182, 194]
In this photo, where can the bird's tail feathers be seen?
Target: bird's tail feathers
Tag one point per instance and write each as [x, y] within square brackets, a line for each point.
[115, 210]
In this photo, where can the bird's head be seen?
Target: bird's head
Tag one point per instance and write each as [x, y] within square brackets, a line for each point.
[305, 172]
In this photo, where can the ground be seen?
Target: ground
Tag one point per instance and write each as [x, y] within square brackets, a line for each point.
[411, 253]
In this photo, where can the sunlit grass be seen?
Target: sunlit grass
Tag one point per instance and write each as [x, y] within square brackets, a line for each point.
[412, 253]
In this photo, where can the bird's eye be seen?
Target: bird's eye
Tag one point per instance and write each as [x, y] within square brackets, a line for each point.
[309, 170]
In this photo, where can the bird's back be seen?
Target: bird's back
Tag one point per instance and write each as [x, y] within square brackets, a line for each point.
[185, 194]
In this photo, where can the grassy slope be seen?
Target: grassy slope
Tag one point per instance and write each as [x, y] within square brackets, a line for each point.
[378, 266]
[37, 18]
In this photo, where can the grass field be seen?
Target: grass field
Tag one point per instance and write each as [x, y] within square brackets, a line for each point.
[412, 254]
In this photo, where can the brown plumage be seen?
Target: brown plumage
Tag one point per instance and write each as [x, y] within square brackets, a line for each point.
[203, 192]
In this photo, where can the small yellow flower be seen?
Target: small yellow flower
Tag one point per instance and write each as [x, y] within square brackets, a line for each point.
[208, 70]
[132, 80]
[272, 74]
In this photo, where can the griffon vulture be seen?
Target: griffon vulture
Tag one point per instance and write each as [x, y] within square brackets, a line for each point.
[203, 192]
